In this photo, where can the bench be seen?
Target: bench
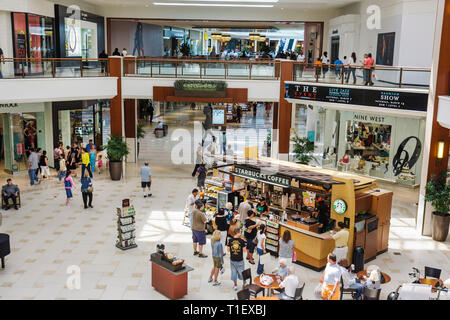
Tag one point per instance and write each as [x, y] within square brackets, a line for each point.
[10, 202]
[159, 133]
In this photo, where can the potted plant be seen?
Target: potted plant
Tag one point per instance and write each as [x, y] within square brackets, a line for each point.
[438, 193]
[140, 133]
[303, 149]
[116, 148]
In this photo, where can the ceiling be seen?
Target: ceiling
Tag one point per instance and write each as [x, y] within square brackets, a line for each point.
[285, 4]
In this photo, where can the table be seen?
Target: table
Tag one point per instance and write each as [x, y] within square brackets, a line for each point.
[432, 282]
[273, 285]
[265, 298]
[387, 278]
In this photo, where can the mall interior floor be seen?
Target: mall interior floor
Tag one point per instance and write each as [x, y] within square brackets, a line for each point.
[47, 237]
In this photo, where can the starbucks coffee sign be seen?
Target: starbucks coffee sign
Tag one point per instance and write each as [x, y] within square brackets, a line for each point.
[258, 175]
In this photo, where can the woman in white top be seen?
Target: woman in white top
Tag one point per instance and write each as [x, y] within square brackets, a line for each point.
[331, 279]
[325, 62]
[261, 246]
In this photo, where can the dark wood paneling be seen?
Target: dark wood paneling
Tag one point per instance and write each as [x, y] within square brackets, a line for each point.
[275, 115]
[116, 102]
[285, 108]
[130, 117]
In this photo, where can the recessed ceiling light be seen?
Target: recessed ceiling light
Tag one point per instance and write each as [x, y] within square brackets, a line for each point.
[212, 5]
[260, 1]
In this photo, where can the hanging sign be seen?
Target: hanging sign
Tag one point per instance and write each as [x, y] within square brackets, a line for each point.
[258, 175]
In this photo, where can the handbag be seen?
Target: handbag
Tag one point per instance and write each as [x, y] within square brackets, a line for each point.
[90, 189]
[264, 258]
[318, 291]
[294, 257]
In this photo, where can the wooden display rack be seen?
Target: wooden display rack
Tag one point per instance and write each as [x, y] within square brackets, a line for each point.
[126, 226]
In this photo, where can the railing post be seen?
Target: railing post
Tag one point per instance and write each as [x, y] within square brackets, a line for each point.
[176, 69]
[250, 71]
[200, 64]
[401, 78]
[53, 68]
[81, 68]
[159, 67]
[151, 68]
[225, 65]
[342, 74]
[23, 69]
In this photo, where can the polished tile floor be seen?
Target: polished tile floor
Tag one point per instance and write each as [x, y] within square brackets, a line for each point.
[47, 237]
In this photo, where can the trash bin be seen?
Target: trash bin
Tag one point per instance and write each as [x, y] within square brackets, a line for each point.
[358, 259]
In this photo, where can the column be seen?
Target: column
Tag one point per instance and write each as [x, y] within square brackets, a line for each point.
[284, 111]
[116, 103]
[275, 132]
[434, 132]
[65, 127]
[130, 127]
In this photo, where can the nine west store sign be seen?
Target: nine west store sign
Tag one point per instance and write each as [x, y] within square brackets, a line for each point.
[399, 100]
[257, 175]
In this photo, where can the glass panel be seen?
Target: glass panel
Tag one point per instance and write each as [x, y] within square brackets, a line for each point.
[106, 123]
[20, 40]
[36, 32]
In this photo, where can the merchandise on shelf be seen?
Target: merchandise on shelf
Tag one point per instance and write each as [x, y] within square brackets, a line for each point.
[126, 227]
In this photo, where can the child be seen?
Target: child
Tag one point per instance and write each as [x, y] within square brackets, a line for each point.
[68, 185]
[92, 156]
[62, 167]
[100, 163]
[217, 254]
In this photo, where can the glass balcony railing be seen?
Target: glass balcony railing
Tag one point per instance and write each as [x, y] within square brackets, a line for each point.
[53, 68]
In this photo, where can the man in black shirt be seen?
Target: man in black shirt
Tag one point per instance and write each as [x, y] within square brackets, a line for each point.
[236, 248]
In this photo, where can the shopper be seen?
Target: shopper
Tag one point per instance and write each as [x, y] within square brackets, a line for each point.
[340, 241]
[224, 142]
[289, 284]
[198, 229]
[103, 55]
[146, 179]
[350, 281]
[68, 185]
[220, 220]
[10, 191]
[351, 69]
[201, 177]
[2, 60]
[217, 255]
[325, 63]
[236, 248]
[72, 162]
[33, 165]
[268, 109]
[239, 113]
[243, 209]
[62, 167]
[86, 190]
[369, 64]
[282, 269]
[92, 158]
[261, 246]
[250, 235]
[373, 282]
[90, 145]
[331, 279]
[198, 158]
[124, 52]
[190, 204]
[286, 246]
[39, 154]
[85, 163]
[116, 52]
[43, 163]
[338, 67]
[100, 163]
[56, 153]
[150, 111]
[365, 69]
[318, 67]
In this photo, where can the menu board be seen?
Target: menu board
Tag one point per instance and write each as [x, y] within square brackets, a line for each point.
[399, 100]
[218, 116]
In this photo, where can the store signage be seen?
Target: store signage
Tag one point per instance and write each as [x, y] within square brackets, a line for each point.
[22, 107]
[368, 118]
[364, 97]
[257, 175]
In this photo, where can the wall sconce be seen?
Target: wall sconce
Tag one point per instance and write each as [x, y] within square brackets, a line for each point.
[440, 152]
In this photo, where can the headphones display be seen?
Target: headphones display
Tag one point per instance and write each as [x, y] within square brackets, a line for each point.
[402, 158]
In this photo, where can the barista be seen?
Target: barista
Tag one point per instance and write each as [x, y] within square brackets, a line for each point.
[321, 214]
[262, 208]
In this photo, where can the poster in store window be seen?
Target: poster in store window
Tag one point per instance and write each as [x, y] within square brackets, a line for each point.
[73, 37]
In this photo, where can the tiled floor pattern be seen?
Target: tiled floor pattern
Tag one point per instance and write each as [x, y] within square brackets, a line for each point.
[47, 237]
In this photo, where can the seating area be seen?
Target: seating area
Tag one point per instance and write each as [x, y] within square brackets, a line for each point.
[5, 248]
[159, 133]
[10, 202]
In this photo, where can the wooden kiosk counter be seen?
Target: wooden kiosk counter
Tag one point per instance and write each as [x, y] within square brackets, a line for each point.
[297, 194]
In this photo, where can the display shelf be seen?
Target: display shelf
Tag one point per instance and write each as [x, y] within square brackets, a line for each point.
[271, 248]
[126, 248]
[126, 227]
[213, 183]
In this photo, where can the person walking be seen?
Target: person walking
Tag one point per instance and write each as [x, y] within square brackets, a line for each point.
[103, 55]
[2, 60]
[351, 69]
[250, 235]
[92, 158]
[62, 167]
[85, 163]
[217, 255]
[198, 229]
[56, 153]
[370, 63]
[198, 158]
[190, 204]
[236, 248]
[325, 63]
[100, 163]
[222, 225]
[261, 246]
[318, 67]
[116, 52]
[86, 190]
[33, 165]
[43, 163]
[68, 185]
[331, 278]
[72, 162]
[146, 179]
[338, 67]
[150, 111]
[201, 177]
[239, 113]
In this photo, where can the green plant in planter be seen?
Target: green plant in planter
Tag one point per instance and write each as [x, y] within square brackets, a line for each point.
[140, 132]
[116, 148]
[303, 149]
[438, 193]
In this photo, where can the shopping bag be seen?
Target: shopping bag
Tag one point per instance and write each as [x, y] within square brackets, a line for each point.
[264, 258]
[318, 291]
[294, 257]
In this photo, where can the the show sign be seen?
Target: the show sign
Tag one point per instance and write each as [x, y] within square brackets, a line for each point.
[258, 175]
[398, 100]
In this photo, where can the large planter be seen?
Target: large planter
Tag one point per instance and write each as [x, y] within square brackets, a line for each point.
[115, 170]
[441, 223]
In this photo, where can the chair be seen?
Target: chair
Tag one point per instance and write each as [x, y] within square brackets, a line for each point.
[4, 247]
[253, 288]
[10, 202]
[243, 294]
[371, 294]
[432, 272]
[346, 290]
[299, 292]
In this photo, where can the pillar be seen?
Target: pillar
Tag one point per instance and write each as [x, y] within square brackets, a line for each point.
[116, 103]
[284, 111]
[434, 132]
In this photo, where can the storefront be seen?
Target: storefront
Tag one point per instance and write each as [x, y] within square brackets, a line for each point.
[33, 38]
[383, 142]
[22, 128]
[81, 121]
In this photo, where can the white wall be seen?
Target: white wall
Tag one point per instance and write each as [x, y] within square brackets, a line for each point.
[57, 89]
[6, 40]
[142, 87]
